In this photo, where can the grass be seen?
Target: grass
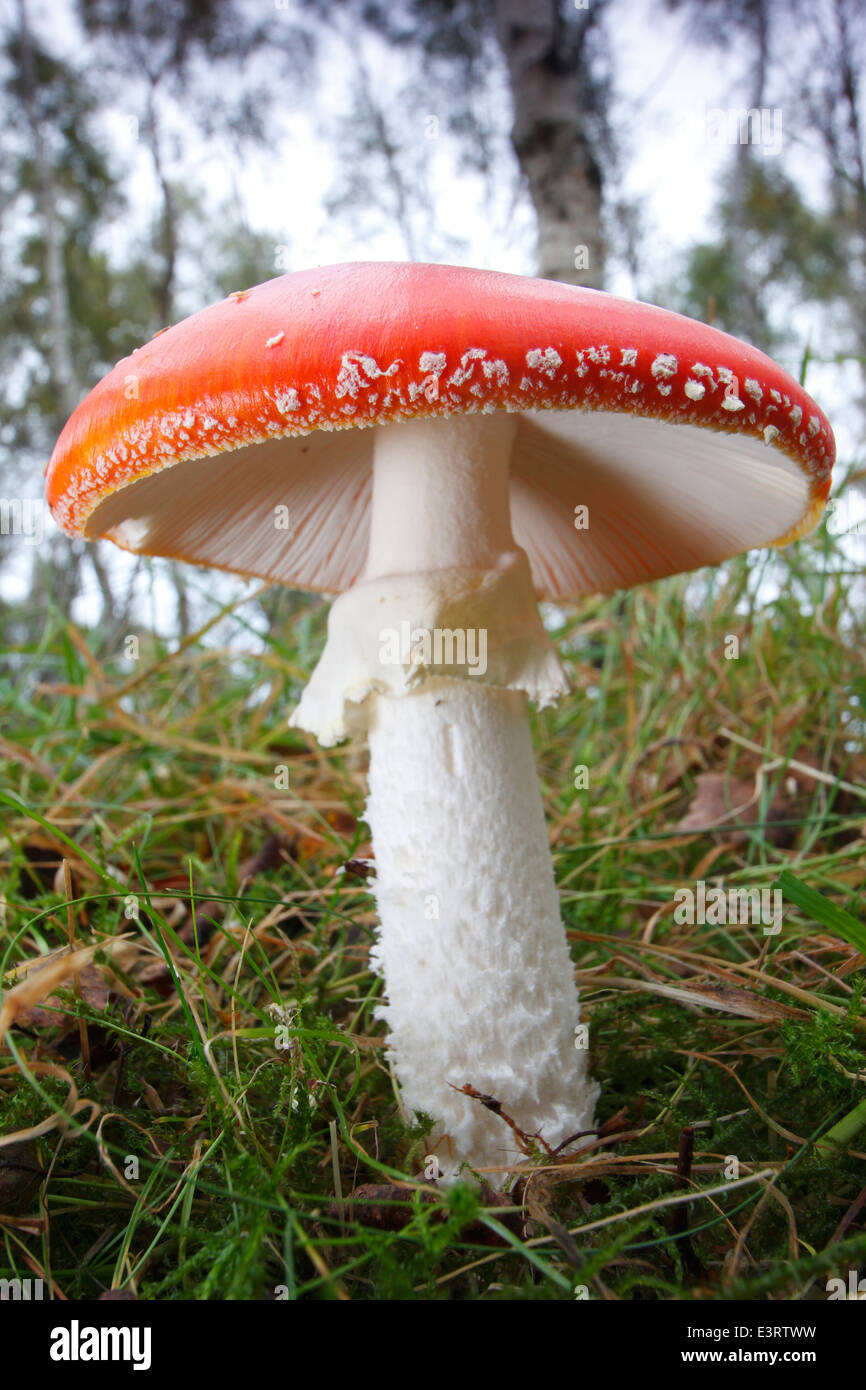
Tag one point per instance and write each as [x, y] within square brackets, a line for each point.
[212, 1109]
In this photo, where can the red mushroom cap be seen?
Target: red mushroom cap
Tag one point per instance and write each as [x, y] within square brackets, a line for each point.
[686, 445]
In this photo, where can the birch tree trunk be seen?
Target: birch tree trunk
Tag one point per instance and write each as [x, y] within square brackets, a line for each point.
[61, 357]
[747, 314]
[64, 375]
[549, 68]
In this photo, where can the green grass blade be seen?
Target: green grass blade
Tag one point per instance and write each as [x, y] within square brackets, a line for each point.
[822, 910]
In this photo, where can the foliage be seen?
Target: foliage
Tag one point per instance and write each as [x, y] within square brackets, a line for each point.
[234, 1057]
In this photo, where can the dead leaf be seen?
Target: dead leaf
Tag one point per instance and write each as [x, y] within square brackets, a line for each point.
[92, 990]
[151, 1097]
[45, 974]
[721, 803]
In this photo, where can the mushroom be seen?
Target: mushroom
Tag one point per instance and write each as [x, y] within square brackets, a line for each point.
[439, 446]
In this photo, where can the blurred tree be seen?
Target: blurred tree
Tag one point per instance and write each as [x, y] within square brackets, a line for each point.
[790, 250]
[57, 313]
[552, 62]
[750, 25]
[560, 88]
[835, 109]
[193, 53]
[789, 231]
[57, 179]
[80, 288]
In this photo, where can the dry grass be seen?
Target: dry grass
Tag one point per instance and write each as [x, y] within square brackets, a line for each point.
[198, 1096]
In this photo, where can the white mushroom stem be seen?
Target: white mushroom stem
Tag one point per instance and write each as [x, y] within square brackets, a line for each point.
[479, 986]
[440, 495]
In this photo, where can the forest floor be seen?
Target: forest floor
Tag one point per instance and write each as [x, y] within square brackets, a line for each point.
[189, 1021]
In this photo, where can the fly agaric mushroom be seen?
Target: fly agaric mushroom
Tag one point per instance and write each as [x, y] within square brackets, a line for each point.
[448, 444]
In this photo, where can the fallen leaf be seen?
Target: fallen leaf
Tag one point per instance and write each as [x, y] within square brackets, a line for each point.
[722, 803]
[45, 974]
[152, 1100]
